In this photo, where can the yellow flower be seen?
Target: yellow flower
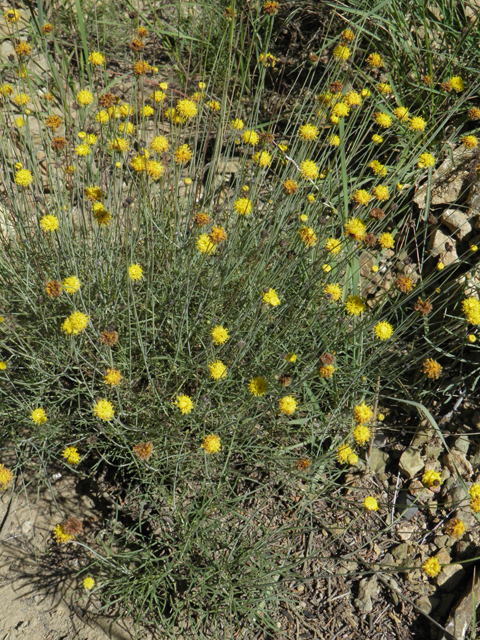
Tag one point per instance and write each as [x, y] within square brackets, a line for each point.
[287, 405]
[417, 124]
[362, 413]
[38, 416]
[401, 113]
[361, 434]
[104, 410]
[307, 236]
[219, 334]
[333, 290]
[386, 240]
[352, 98]
[361, 197]
[378, 168]
[431, 477]
[382, 119]
[376, 139]
[354, 305]
[271, 298]
[183, 154]
[21, 99]
[135, 272]
[243, 206]
[341, 52]
[333, 246]
[82, 150]
[11, 16]
[262, 158]
[23, 178]
[334, 141]
[471, 338]
[384, 88]
[159, 144]
[456, 83]
[49, 223]
[205, 245]
[344, 451]
[425, 160]
[96, 59]
[374, 61]
[60, 536]
[237, 124]
[88, 583]
[355, 228]
[250, 137]
[6, 476]
[3, 366]
[118, 144]
[383, 330]
[102, 117]
[258, 386]
[308, 132]
[71, 284]
[157, 96]
[291, 357]
[431, 567]
[341, 110]
[184, 403]
[112, 377]
[431, 368]
[75, 323]
[211, 444]
[326, 371]
[71, 455]
[84, 98]
[470, 142]
[370, 504]
[309, 170]
[93, 193]
[218, 370]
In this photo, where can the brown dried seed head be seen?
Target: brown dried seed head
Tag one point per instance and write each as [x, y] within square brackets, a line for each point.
[143, 450]
[377, 214]
[405, 284]
[284, 380]
[369, 239]
[107, 100]
[336, 87]
[327, 358]
[136, 45]
[303, 464]
[423, 306]
[109, 338]
[202, 219]
[58, 143]
[53, 289]
[72, 526]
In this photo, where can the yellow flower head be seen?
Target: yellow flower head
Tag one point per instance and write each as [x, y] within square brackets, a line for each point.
[370, 504]
[343, 453]
[470, 142]
[417, 124]
[362, 413]
[386, 240]
[431, 477]
[112, 377]
[250, 137]
[425, 160]
[159, 144]
[96, 59]
[6, 476]
[354, 305]
[456, 83]
[291, 357]
[38, 416]
[431, 567]
[23, 178]
[88, 583]
[308, 132]
[84, 98]
[401, 113]
[262, 158]
[361, 197]
[60, 536]
[287, 405]
[341, 110]
[243, 206]
[383, 330]
[326, 371]
[258, 386]
[211, 444]
[218, 371]
[270, 297]
[382, 119]
[355, 228]
[183, 154]
[103, 409]
[219, 334]
[378, 168]
[307, 236]
[71, 455]
[184, 403]
[205, 245]
[431, 368]
[374, 61]
[361, 434]
[309, 170]
[71, 284]
[333, 246]
[333, 290]
[341, 52]
[75, 323]
[49, 223]
[135, 272]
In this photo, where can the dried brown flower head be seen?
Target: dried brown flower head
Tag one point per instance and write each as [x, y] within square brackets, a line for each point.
[303, 464]
[58, 143]
[217, 235]
[446, 86]
[53, 289]
[266, 138]
[23, 49]
[72, 526]
[327, 358]
[377, 214]
[143, 450]
[107, 100]
[53, 122]
[46, 28]
[426, 79]
[141, 67]
[142, 32]
[404, 284]
[271, 7]
[336, 87]
[423, 306]
[109, 337]
[312, 58]
[284, 380]
[474, 113]
[202, 219]
[455, 528]
[136, 45]
[369, 239]
[290, 187]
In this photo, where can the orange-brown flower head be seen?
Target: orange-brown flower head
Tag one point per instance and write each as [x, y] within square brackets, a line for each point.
[72, 526]
[58, 143]
[303, 464]
[423, 307]
[107, 100]
[405, 284]
[109, 337]
[53, 289]
[53, 122]
[217, 235]
[136, 45]
[143, 451]
[202, 219]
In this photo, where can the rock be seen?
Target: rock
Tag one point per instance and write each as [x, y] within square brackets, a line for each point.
[458, 222]
[411, 462]
[450, 576]
[456, 462]
[443, 556]
[405, 530]
[400, 553]
[427, 603]
[27, 527]
[422, 437]
[476, 420]
[378, 460]
[405, 506]
[367, 589]
[437, 245]
[440, 541]
[445, 606]
[433, 451]
[462, 444]
[388, 560]
[456, 497]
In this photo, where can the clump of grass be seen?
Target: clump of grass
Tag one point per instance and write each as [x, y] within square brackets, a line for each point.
[186, 304]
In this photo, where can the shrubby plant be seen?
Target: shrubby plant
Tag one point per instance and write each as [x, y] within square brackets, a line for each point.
[209, 303]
